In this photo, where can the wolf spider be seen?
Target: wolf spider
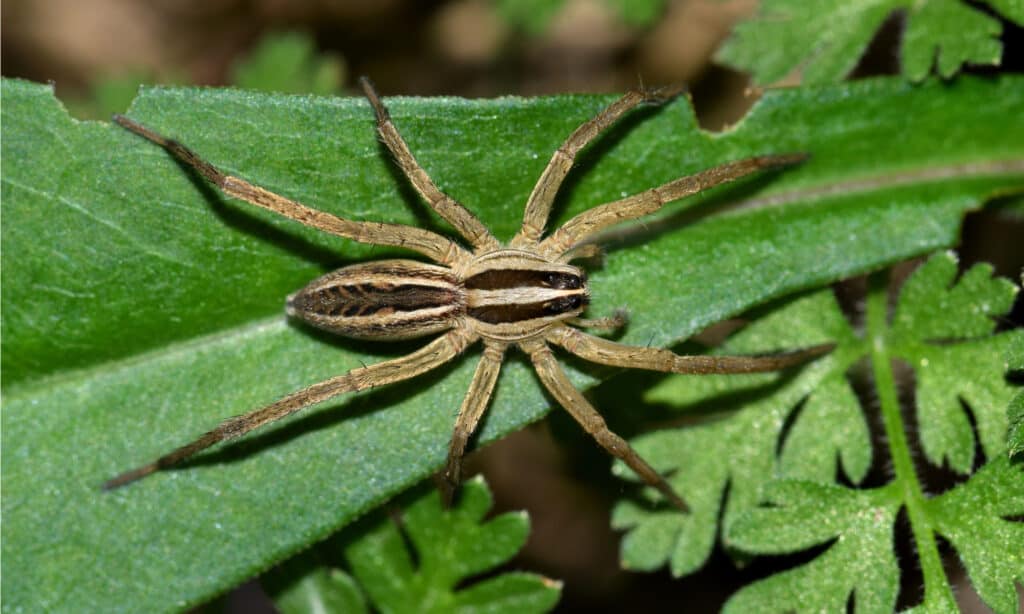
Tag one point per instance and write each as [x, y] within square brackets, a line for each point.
[525, 293]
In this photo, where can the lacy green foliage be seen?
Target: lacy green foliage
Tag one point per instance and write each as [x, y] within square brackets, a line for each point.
[860, 560]
[449, 547]
[826, 42]
[288, 63]
[314, 589]
[1015, 411]
[932, 311]
[942, 328]
[140, 308]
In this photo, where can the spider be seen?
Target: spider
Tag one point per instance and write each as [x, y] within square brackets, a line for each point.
[525, 293]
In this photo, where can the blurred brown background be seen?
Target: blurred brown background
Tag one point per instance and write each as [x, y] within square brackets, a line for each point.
[470, 48]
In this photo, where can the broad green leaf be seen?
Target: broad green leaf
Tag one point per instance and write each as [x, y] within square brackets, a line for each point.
[140, 308]
[959, 362]
[288, 63]
[826, 42]
[450, 546]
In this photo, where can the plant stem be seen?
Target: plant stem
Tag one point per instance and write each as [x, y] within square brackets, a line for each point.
[906, 482]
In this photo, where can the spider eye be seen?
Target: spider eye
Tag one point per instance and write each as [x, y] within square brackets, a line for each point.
[563, 281]
[564, 304]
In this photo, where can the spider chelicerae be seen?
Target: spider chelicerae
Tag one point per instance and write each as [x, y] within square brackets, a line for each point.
[526, 293]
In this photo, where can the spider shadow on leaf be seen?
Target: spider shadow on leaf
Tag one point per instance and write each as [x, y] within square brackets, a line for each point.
[725, 198]
[603, 149]
[331, 414]
[245, 221]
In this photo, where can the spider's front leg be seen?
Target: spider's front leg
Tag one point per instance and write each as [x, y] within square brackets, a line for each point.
[538, 206]
[605, 352]
[586, 225]
[455, 213]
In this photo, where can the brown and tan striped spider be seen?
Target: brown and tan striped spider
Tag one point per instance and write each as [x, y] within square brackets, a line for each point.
[525, 293]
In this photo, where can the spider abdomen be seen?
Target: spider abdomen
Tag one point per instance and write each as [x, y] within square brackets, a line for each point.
[387, 299]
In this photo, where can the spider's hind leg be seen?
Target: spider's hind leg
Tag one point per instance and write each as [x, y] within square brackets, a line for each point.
[430, 356]
[558, 384]
[473, 405]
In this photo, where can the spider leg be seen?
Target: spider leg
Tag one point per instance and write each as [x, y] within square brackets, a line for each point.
[555, 380]
[616, 321]
[473, 406]
[538, 206]
[430, 244]
[582, 252]
[457, 215]
[605, 352]
[585, 225]
[432, 355]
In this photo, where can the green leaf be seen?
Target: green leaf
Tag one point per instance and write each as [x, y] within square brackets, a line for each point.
[140, 308]
[975, 518]
[859, 560]
[638, 13]
[943, 329]
[289, 63]
[533, 16]
[932, 312]
[943, 35]
[740, 451]
[826, 43]
[449, 548]
[316, 590]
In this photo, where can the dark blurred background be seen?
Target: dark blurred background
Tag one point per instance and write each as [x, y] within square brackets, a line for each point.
[97, 52]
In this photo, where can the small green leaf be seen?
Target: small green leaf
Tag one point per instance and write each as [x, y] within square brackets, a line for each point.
[976, 519]
[943, 35]
[932, 307]
[860, 559]
[289, 63]
[533, 16]
[450, 547]
[316, 591]
[940, 329]
[638, 12]
[826, 42]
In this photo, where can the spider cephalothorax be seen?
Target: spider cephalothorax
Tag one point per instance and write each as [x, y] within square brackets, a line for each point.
[525, 293]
